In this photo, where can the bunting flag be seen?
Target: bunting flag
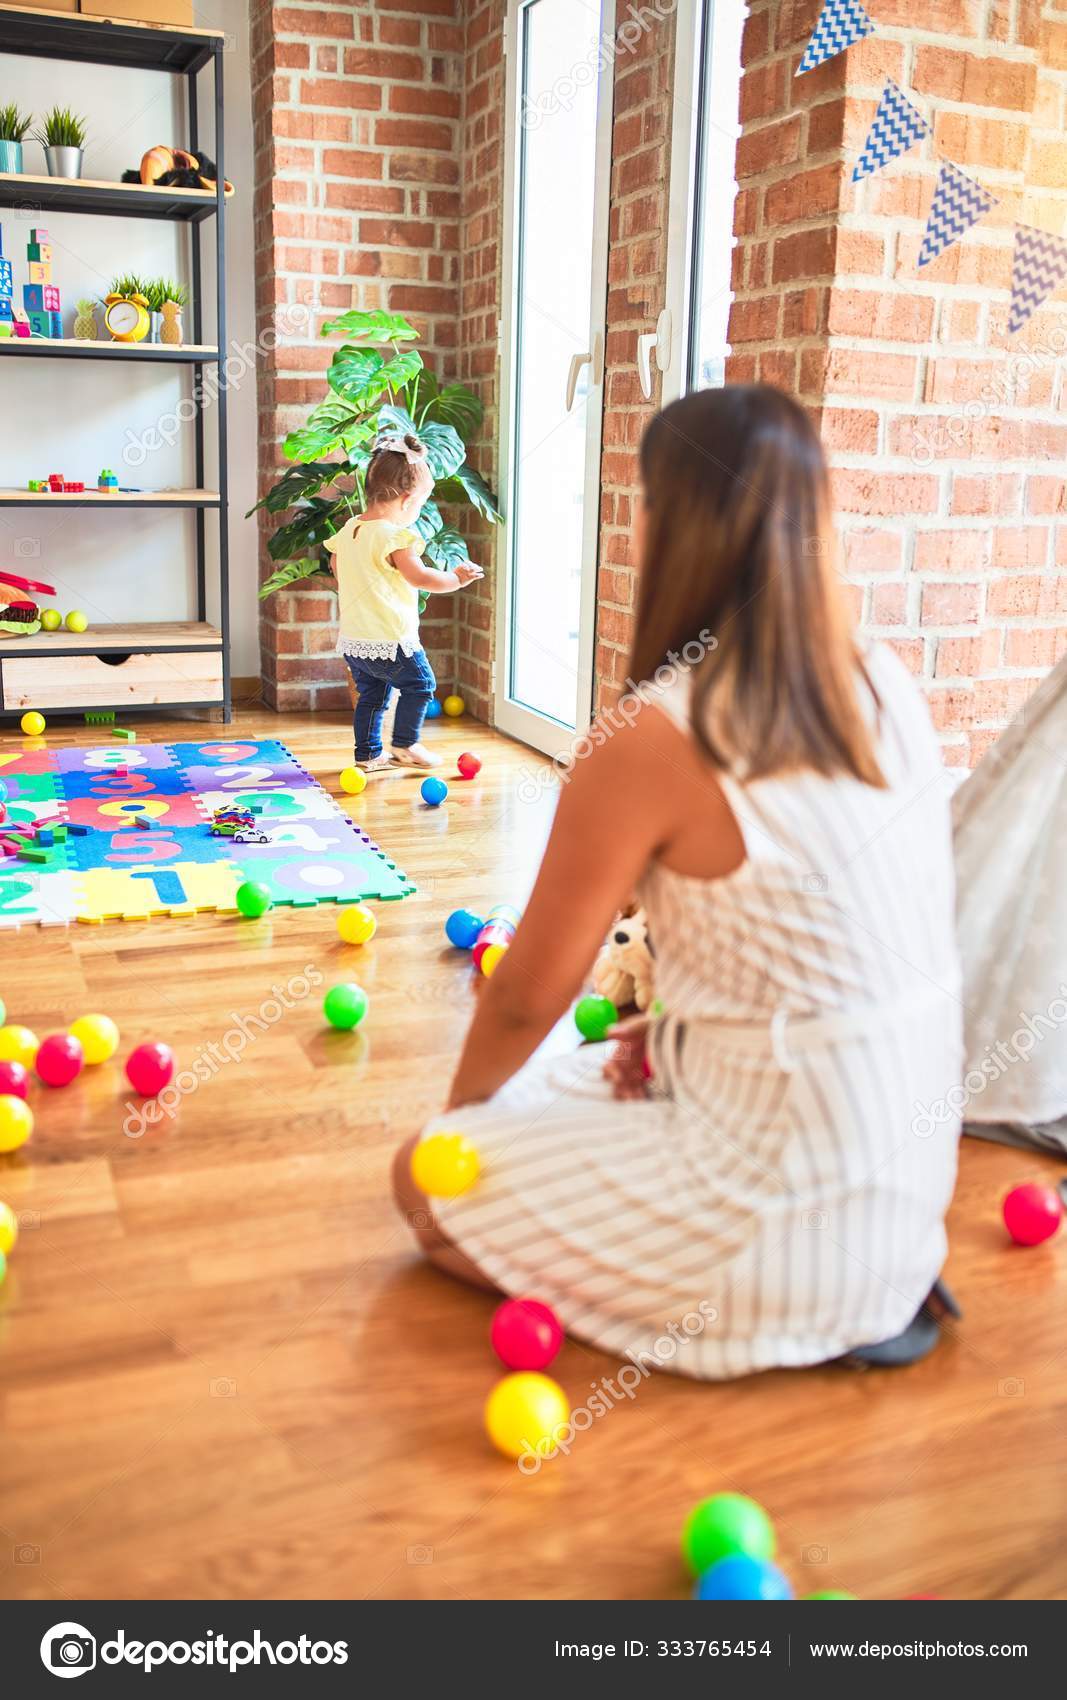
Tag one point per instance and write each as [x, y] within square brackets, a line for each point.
[958, 203]
[897, 127]
[1038, 268]
[841, 22]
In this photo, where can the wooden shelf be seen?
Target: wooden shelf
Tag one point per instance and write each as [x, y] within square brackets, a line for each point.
[44, 195]
[149, 638]
[92, 498]
[73, 348]
[114, 41]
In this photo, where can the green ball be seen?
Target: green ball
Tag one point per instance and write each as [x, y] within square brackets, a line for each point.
[253, 898]
[724, 1524]
[3, 1268]
[593, 1016]
[3, 1013]
[830, 1594]
[345, 1005]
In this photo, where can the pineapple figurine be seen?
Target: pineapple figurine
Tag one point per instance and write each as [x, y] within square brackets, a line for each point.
[85, 321]
[172, 322]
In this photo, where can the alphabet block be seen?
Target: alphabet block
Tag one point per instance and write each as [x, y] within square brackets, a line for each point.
[39, 272]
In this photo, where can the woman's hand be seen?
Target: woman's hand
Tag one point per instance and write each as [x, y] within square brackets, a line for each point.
[626, 1069]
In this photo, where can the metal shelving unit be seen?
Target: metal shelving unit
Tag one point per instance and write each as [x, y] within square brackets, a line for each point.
[174, 52]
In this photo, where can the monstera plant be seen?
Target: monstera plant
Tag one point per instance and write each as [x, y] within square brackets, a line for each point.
[377, 382]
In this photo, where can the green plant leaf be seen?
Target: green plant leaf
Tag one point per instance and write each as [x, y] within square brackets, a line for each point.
[466, 485]
[405, 365]
[455, 405]
[355, 374]
[445, 449]
[371, 327]
[331, 427]
[289, 572]
[429, 520]
[310, 528]
[394, 418]
[446, 548]
[297, 484]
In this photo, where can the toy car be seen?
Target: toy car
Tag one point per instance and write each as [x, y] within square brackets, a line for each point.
[240, 824]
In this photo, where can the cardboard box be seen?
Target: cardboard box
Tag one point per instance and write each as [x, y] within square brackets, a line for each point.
[176, 12]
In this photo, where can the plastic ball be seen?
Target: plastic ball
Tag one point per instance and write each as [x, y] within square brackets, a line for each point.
[724, 1524]
[467, 766]
[150, 1067]
[254, 899]
[1032, 1213]
[593, 1016]
[51, 619]
[353, 780]
[98, 1037]
[462, 928]
[59, 1060]
[741, 1577]
[434, 792]
[524, 1414]
[76, 621]
[830, 1594]
[444, 1165]
[18, 1044]
[491, 956]
[3, 1006]
[345, 1005]
[433, 709]
[14, 1079]
[453, 706]
[525, 1334]
[357, 925]
[16, 1122]
[3, 1268]
[9, 1229]
[32, 723]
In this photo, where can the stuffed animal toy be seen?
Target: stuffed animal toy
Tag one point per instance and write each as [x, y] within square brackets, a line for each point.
[173, 168]
[623, 970]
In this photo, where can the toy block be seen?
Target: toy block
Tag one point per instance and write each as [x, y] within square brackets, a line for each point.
[99, 716]
[40, 323]
[39, 272]
[73, 488]
[107, 481]
[59, 832]
[55, 321]
[124, 732]
[146, 823]
[45, 835]
[6, 327]
[119, 772]
[27, 855]
[20, 321]
[40, 298]
[38, 233]
[55, 483]
[38, 484]
[40, 251]
[5, 308]
[77, 831]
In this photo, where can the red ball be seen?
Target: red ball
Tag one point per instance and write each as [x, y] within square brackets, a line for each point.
[468, 766]
[1032, 1213]
[14, 1080]
[59, 1059]
[525, 1334]
[149, 1068]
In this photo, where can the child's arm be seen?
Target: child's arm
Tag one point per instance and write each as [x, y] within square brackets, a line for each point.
[410, 566]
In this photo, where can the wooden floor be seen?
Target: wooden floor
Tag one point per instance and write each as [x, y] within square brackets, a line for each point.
[224, 1373]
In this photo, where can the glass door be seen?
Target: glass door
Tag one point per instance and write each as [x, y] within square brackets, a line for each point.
[560, 68]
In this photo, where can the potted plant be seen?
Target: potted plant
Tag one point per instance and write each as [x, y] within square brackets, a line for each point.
[375, 383]
[175, 296]
[62, 136]
[13, 127]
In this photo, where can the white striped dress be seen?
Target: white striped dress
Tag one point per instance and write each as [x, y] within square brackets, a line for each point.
[780, 1198]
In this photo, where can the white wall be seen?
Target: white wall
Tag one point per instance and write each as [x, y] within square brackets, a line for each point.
[56, 416]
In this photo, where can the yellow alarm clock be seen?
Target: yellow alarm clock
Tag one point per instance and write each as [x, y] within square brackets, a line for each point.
[126, 317]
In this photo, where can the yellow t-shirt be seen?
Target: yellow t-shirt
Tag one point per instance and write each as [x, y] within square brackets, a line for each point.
[378, 610]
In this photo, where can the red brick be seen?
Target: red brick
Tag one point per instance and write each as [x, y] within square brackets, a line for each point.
[873, 551]
[880, 314]
[852, 371]
[336, 91]
[378, 62]
[1020, 547]
[964, 657]
[308, 21]
[890, 493]
[994, 493]
[976, 80]
[951, 551]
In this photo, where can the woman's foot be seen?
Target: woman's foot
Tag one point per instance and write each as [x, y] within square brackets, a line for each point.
[376, 763]
[416, 755]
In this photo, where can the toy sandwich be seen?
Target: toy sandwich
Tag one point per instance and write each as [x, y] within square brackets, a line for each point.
[19, 614]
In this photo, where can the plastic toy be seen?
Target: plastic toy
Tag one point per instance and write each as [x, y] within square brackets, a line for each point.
[525, 1413]
[444, 1165]
[499, 929]
[14, 1080]
[18, 1044]
[593, 1016]
[453, 706]
[467, 766]
[724, 1524]
[434, 792]
[149, 1068]
[1032, 1213]
[85, 329]
[833, 1594]
[623, 970]
[98, 716]
[125, 733]
[51, 619]
[98, 1037]
[353, 780]
[433, 709]
[76, 621]
[462, 929]
[345, 1005]
[356, 924]
[16, 1122]
[525, 1334]
[253, 898]
[235, 821]
[9, 1229]
[107, 481]
[33, 724]
[741, 1577]
[59, 1060]
[490, 961]
[19, 614]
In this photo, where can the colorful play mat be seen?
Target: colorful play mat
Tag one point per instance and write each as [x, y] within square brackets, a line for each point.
[119, 869]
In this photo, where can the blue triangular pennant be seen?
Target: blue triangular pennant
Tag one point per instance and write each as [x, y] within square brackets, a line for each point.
[841, 22]
[897, 127]
[958, 203]
[1038, 268]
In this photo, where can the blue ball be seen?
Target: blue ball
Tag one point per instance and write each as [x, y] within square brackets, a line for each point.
[462, 928]
[739, 1577]
[433, 711]
[434, 791]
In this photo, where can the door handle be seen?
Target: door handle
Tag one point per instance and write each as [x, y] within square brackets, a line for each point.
[658, 341]
[594, 358]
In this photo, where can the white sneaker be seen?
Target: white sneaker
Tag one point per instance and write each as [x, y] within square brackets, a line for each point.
[415, 755]
[376, 763]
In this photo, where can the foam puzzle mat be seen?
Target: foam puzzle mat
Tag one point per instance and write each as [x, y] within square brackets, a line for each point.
[117, 869]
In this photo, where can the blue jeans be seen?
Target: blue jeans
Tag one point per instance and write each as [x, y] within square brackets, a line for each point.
[413, 677]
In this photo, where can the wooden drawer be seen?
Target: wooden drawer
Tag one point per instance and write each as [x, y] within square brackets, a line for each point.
[90, 681]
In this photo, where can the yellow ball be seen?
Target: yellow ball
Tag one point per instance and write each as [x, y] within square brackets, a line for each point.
[9, 1229]
[76, 621]
[18, 1044]
[16, 1122]
[491, 959]
[353, 780]
[357, 924]
[445, 1165]
[453, 705]
[525, 1413]
[51, 619]
[32, 723]
[97, 1035]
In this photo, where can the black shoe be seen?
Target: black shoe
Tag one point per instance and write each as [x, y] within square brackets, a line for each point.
[917, 1340]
